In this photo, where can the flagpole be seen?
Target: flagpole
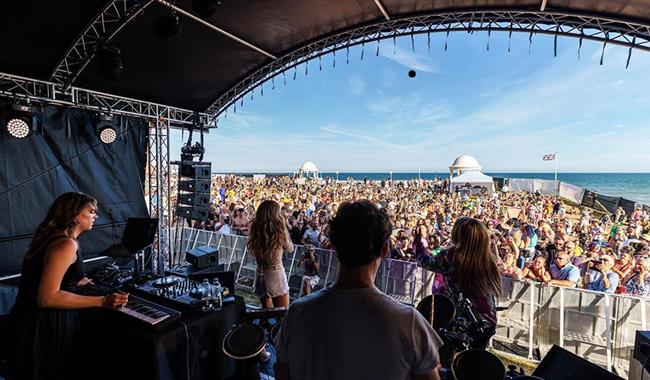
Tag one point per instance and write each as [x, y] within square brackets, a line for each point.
[555, 166]
[557, 186]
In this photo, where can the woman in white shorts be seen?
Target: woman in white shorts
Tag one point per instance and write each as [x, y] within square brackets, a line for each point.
[267, 241]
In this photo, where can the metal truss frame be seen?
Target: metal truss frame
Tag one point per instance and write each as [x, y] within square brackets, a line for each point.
[590, 27]
[159, 186]
[17, 87]
[162, 119]
[113, 17]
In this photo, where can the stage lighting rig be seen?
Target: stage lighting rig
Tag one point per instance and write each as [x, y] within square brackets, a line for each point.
[105, 129]
[195, 150]
[19, 121]
[205, 8]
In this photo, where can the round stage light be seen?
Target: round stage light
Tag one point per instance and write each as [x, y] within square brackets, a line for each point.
[18, 127]
[107, 135]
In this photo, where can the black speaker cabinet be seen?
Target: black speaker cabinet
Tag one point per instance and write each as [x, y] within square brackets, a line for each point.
[560, 364]
[202, 257]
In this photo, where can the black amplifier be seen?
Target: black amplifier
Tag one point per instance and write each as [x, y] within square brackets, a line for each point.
[172, 291]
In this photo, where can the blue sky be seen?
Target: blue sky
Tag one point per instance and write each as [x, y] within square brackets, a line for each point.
[507, 109]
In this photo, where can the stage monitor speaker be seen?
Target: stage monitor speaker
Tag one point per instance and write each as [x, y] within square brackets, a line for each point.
[640, 361]
[193, 213]
[199, 186]
[202, 257]
[560, 364]
[191, 199]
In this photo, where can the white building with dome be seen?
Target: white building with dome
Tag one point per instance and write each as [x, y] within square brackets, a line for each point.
[465, 170]
[308, 170]
[462, 164]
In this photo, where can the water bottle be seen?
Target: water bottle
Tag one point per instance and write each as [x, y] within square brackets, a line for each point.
[217, 291]
[206, 294]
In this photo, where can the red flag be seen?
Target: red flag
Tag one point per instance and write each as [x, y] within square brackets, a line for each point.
[548, 157]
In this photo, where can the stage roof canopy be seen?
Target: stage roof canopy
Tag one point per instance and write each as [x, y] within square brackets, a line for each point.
[205, 69]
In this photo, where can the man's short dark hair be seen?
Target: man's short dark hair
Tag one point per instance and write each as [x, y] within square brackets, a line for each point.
[358, 232]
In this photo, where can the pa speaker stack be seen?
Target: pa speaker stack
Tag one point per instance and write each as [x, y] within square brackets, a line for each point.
[194, 190]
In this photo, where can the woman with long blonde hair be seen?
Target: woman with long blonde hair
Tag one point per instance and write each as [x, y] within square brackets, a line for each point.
[469, 267]
[268, 239]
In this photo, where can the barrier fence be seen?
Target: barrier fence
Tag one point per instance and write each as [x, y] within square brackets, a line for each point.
[569, 191]
[594, 325]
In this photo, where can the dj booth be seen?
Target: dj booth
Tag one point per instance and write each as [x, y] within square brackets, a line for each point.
[188, 348]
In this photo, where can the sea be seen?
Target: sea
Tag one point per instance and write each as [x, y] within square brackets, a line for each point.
[632, 186]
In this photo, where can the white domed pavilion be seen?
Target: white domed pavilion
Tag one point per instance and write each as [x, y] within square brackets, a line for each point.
[308, 170]
[467, 171]
[462, 164]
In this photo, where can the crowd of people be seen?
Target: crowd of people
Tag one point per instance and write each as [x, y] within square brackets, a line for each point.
[534, 237]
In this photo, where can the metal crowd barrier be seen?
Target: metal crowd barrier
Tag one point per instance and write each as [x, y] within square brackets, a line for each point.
[594, 325]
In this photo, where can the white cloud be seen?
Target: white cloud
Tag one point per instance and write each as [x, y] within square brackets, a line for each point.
[336, 130]
[356, 85]
[415, 61]
[592, 115]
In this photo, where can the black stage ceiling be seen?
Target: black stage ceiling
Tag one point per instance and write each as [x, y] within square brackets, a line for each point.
[193, 69]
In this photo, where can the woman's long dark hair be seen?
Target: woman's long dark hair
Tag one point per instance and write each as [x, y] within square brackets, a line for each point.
[477, 272]
[61, 219]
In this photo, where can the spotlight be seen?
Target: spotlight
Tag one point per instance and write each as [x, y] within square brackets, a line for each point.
[412, 73]
[110, 63]
[105, 129]
[107, 135]
[19, 121]
[168, 25]
[205, 8]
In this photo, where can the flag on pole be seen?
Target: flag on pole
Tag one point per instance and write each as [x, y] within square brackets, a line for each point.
[548, 157]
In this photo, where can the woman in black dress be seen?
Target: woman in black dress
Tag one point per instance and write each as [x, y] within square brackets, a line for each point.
[45, 313]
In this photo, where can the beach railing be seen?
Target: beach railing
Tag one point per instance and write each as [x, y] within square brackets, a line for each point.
[598, 326]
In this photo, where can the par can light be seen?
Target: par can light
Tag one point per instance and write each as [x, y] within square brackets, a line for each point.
[18, 127]
[107, 134]
[18, 121]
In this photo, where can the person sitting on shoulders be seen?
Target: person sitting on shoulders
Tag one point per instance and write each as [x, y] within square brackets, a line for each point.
[362, 333]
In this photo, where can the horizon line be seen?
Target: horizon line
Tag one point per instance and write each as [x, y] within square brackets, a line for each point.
[414, 172]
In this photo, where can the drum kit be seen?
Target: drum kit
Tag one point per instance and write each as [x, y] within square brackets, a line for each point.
[456, 324]
[246, 341]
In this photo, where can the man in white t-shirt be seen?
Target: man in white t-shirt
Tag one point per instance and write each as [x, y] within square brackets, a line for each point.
[352, 330]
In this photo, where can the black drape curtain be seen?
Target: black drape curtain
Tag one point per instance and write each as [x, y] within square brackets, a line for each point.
[64, 154]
